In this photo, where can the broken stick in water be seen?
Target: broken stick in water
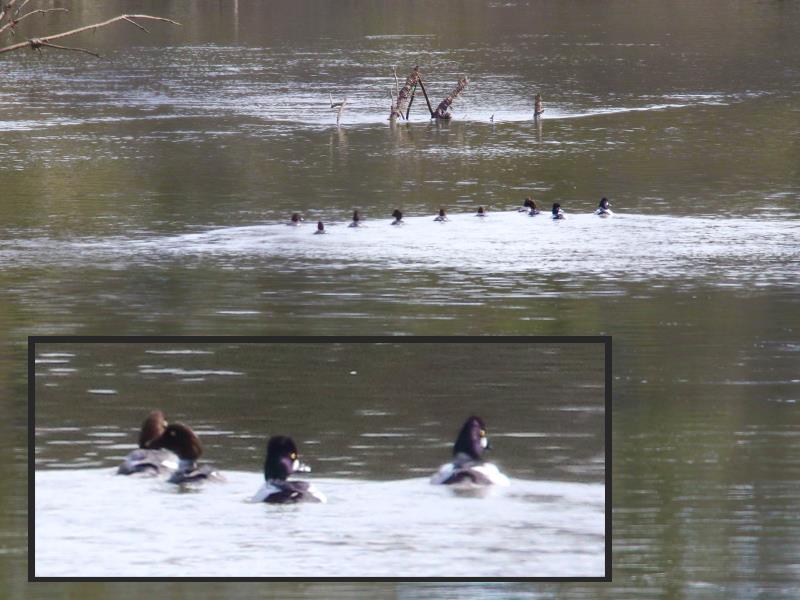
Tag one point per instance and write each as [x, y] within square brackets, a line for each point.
[441, 111]
[338, 106]
[404, 95]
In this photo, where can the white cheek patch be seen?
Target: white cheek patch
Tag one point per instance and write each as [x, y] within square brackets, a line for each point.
[484, 442]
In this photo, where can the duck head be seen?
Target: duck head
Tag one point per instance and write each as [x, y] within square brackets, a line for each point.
[152, 429]
[472, 439]
[282, 458]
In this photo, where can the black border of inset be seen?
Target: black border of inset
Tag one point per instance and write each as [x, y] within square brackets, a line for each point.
[60, 339]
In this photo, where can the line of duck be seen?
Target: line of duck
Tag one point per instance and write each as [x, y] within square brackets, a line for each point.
[528, 206]
[172, 450]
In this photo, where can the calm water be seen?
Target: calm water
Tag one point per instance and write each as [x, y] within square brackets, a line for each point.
[147, 195]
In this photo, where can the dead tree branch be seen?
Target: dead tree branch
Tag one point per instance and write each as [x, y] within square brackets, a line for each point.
[12, 23]
[36, 44]
[21, 6]
[444, 105]
[404, 95]
[46, 41]
[6, 7]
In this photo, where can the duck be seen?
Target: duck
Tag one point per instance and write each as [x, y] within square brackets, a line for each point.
[527, 205]
[603, 209]
[356, 219]
[481, 212]
[146, 460]
[398, 217]
[467, 466]
[280, 462]
[181, 440]
[534, 210]
[320, 228]
[296, 220]
[442, 216]
[557, 212]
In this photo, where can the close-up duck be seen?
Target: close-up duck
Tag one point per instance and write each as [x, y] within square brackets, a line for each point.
[603, 209]
[281, 461]
[468, 466]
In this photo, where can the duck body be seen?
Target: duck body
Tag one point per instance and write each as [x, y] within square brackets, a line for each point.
[189, 472]
[143, 461]
[280, 462]
[468, 467]
[181, 440]
[288, 492]
[603, 209]
[466, 471]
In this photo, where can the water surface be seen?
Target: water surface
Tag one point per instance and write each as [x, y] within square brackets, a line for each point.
[147, 195]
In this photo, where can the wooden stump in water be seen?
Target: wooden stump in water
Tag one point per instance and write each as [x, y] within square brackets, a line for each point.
[441, 111]
[400, 108]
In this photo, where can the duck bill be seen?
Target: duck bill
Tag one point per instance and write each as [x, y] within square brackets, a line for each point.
[299, 467]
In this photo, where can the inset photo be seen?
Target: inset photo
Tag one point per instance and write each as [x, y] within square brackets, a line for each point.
[311, 458]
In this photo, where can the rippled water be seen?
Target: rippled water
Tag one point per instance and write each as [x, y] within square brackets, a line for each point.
[123, 526]
[148, 195]
[372, 445]
[625, 248]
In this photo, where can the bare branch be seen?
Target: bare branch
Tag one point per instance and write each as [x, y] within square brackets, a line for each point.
[142, 27]
[5, 8]
[44, 41]
[341, 110]
[13, 22]
[56, 46]
[20, 7]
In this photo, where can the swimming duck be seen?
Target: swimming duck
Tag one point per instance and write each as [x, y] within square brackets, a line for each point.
[280, 462]
[442, 216]
[557, 212]
[356, 219]
[481, 212]
[320, 228]
[398, 217]
[468, 467]
[184, 442]
[147, 460]
[527, 205]
[603, 210]
[296, 220]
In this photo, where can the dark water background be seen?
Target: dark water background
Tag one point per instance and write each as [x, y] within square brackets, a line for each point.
[680, 112]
